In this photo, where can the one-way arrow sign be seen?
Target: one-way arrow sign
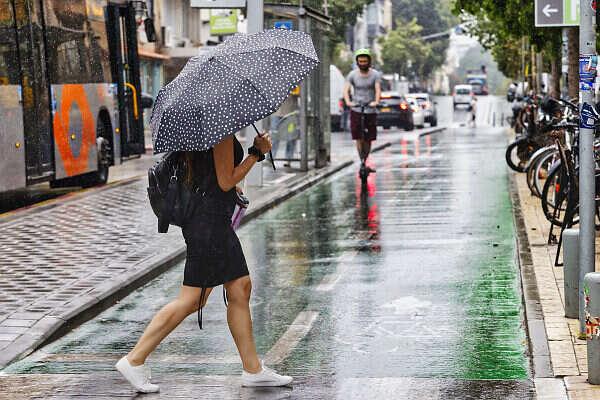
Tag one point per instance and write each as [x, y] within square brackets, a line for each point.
[548, 10]
[557, 12]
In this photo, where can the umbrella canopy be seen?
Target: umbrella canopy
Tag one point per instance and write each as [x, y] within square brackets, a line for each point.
[239, 82]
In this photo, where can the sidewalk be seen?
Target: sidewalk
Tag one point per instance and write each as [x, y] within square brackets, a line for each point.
[64, 261]
[559, 358]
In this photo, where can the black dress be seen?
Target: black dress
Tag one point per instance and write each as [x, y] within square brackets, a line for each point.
[214, 253]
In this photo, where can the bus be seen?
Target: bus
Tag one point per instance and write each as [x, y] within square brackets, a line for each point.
[478, 80]
[70, 101]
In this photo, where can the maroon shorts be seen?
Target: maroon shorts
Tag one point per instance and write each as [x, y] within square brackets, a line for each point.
[370, 126]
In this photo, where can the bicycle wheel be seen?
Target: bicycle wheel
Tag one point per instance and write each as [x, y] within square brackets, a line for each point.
[555, 195]
[517, 154]
[540, 172]
[530, 169]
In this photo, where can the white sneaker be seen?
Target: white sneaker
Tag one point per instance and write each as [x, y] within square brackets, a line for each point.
[139, 376]
[266, 377]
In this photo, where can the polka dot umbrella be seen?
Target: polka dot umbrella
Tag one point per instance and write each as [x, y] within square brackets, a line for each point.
[237, 83]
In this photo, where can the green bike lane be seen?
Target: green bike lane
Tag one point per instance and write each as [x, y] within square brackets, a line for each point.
[407, 288]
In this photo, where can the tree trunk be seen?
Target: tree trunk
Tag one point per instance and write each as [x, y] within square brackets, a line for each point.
[555, 71]
[573, 54]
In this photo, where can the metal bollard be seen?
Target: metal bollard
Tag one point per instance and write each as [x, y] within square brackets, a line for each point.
[502, 119]
[571, 272]
[494, 119]
[591, 288]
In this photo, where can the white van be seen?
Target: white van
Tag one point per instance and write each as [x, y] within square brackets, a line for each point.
[462, 95]
[336, 96]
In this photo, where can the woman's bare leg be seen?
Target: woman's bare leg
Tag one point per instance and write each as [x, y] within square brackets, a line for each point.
[240, 322]
[165, 321]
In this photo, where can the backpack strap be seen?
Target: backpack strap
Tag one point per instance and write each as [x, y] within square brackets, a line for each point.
[167, 210]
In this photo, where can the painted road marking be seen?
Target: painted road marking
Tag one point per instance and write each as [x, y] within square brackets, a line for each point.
[292, 336]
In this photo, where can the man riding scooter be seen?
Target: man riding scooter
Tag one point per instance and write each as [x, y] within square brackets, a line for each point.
[365, 83]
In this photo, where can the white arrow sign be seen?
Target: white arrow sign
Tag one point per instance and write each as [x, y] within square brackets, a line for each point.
[548, 11]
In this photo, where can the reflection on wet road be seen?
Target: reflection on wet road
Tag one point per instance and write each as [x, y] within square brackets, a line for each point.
[405, 289]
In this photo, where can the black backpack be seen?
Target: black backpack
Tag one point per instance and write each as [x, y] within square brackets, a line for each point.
[169, 197]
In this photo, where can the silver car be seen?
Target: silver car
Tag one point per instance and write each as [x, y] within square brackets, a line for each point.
[428, 106]
[418, 113]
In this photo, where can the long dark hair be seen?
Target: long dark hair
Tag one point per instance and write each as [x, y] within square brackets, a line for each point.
[188, 163]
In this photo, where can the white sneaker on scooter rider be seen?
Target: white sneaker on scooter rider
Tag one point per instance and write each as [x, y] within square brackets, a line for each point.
[138, 376]
[266, 377]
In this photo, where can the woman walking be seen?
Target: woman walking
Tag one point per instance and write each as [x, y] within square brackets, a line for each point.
[214, 257]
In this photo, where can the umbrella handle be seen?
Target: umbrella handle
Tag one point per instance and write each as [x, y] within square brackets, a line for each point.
[270, 154]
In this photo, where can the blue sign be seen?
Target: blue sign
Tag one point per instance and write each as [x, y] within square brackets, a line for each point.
[588, 116]
[289, 25]
[587, 71]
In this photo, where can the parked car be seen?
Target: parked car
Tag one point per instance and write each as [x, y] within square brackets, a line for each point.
[427, 105]
[394, 110]
[336, 96]
[462, 95]
[417, 112]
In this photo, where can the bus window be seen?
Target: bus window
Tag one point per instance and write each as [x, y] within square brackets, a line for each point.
[66, 38]
[35, 94]
[77, 44]
[9, 59]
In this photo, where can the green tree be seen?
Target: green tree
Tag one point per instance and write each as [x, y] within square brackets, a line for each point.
[434, 16]
[343, 14]
[501, 24]
[405, 52]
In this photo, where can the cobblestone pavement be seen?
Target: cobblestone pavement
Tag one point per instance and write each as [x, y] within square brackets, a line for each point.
[57, 259]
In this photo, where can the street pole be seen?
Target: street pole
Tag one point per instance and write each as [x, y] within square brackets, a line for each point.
[255, 17]
[564, 69]
[303, 101]
[587, 49]
[592, 283]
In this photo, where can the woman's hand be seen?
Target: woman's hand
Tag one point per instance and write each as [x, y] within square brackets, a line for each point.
[263, 142]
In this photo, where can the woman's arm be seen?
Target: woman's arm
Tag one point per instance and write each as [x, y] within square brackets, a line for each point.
[227, 175]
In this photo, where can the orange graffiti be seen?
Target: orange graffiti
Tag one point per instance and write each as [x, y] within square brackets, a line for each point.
[73, 94]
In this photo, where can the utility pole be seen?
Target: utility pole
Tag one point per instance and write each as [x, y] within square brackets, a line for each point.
[255, 17]
[587, 76]
[303, 99]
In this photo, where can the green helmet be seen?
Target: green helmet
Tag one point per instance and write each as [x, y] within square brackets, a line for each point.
[362, 52]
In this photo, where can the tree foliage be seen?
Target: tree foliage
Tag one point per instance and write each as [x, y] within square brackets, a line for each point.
[501, 24]
[343, 13]
[405, 52]
[433, 16]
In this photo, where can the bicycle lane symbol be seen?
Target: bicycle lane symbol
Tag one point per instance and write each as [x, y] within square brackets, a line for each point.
[400, 320]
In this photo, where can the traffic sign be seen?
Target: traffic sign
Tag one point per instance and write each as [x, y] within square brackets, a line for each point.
[218, 3]
[289, 25]
[557, 12]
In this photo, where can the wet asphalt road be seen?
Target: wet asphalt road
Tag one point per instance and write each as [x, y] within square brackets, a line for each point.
[408, 289]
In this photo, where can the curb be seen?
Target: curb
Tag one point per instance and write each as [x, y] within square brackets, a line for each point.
[537, 339]
[88, 306]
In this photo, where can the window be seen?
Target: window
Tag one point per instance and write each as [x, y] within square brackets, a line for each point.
[68, 38]
[9, 59]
